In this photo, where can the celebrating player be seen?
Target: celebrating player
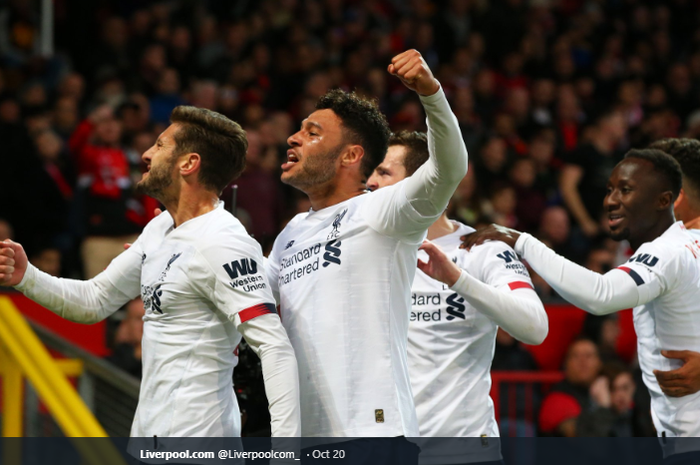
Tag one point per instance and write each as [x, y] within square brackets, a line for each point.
[342, 272]
[201, 279]
[661, 281]
[686, 379]
[452, 332]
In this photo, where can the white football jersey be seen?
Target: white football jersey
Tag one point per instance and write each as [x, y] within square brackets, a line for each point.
[695, 233]
[343, 278]
[450, 349]
[198, 282]
[669, 265]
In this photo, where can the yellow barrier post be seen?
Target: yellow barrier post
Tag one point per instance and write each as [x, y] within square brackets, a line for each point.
[70, 412]
[12, 396]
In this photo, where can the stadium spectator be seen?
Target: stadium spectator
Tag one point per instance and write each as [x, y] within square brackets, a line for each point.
[127, 339]
[613, 394]
[111, 215]
[576, 394]
[586, 172]
[47, 259]
[5, 230]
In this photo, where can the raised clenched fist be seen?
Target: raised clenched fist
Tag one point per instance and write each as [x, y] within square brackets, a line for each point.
[414, 72]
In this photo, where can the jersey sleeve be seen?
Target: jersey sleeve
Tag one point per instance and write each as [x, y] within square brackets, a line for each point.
[652, 271]
[406, 209]
[498, 285]
[389, 212]
[92, 300]
[595, 293]
[231, 274]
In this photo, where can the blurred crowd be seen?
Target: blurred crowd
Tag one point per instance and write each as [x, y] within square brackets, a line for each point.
[549, 95]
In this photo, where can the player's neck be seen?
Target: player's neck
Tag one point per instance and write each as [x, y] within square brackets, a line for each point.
[192, 205]
[692, 224]
[333, 193]
[657, 230]
[442, 227]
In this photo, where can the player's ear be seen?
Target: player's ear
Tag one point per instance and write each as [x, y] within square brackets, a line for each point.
[189, 163]
[665, 200]
[352, 155]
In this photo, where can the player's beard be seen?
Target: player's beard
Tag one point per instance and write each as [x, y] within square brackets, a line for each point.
[315, 170]
[158, 180]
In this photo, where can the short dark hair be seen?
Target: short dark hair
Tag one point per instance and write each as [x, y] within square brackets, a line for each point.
[416, 145]
[687, 154]
[365, 124]
[664, 164]
[220, 142]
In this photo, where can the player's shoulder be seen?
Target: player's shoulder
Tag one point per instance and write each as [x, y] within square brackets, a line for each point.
[494, 249]
[450, 243]
[672, 242]
[494, 257]
[675, 245]
[223, 232]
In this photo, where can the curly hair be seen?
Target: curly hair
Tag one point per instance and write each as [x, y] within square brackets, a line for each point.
[416, 145]
[219, 141]
[687, 154]
[664, 164]
[365, 125]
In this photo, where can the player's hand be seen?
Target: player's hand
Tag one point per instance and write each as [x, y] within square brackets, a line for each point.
[414, 72]
[493, 232]
[156, 212]
[682, 381]
[13, 263]
[439, 266]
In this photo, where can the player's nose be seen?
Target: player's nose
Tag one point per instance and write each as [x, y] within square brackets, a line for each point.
[611, 201]
[372, 183]
[294, 140]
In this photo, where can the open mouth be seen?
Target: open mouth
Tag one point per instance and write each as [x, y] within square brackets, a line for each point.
[292, 159]
[615, 220]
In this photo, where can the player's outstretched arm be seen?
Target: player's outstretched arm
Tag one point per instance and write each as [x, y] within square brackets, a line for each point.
[595, 293]
[682, 381]
[79, 301]
[431, 187]
[520, 312]
[268, 339]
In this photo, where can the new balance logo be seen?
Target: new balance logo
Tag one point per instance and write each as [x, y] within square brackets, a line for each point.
[289, 244]
[645, 258]
[242, 267]
[332, 253]
[507, 256]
